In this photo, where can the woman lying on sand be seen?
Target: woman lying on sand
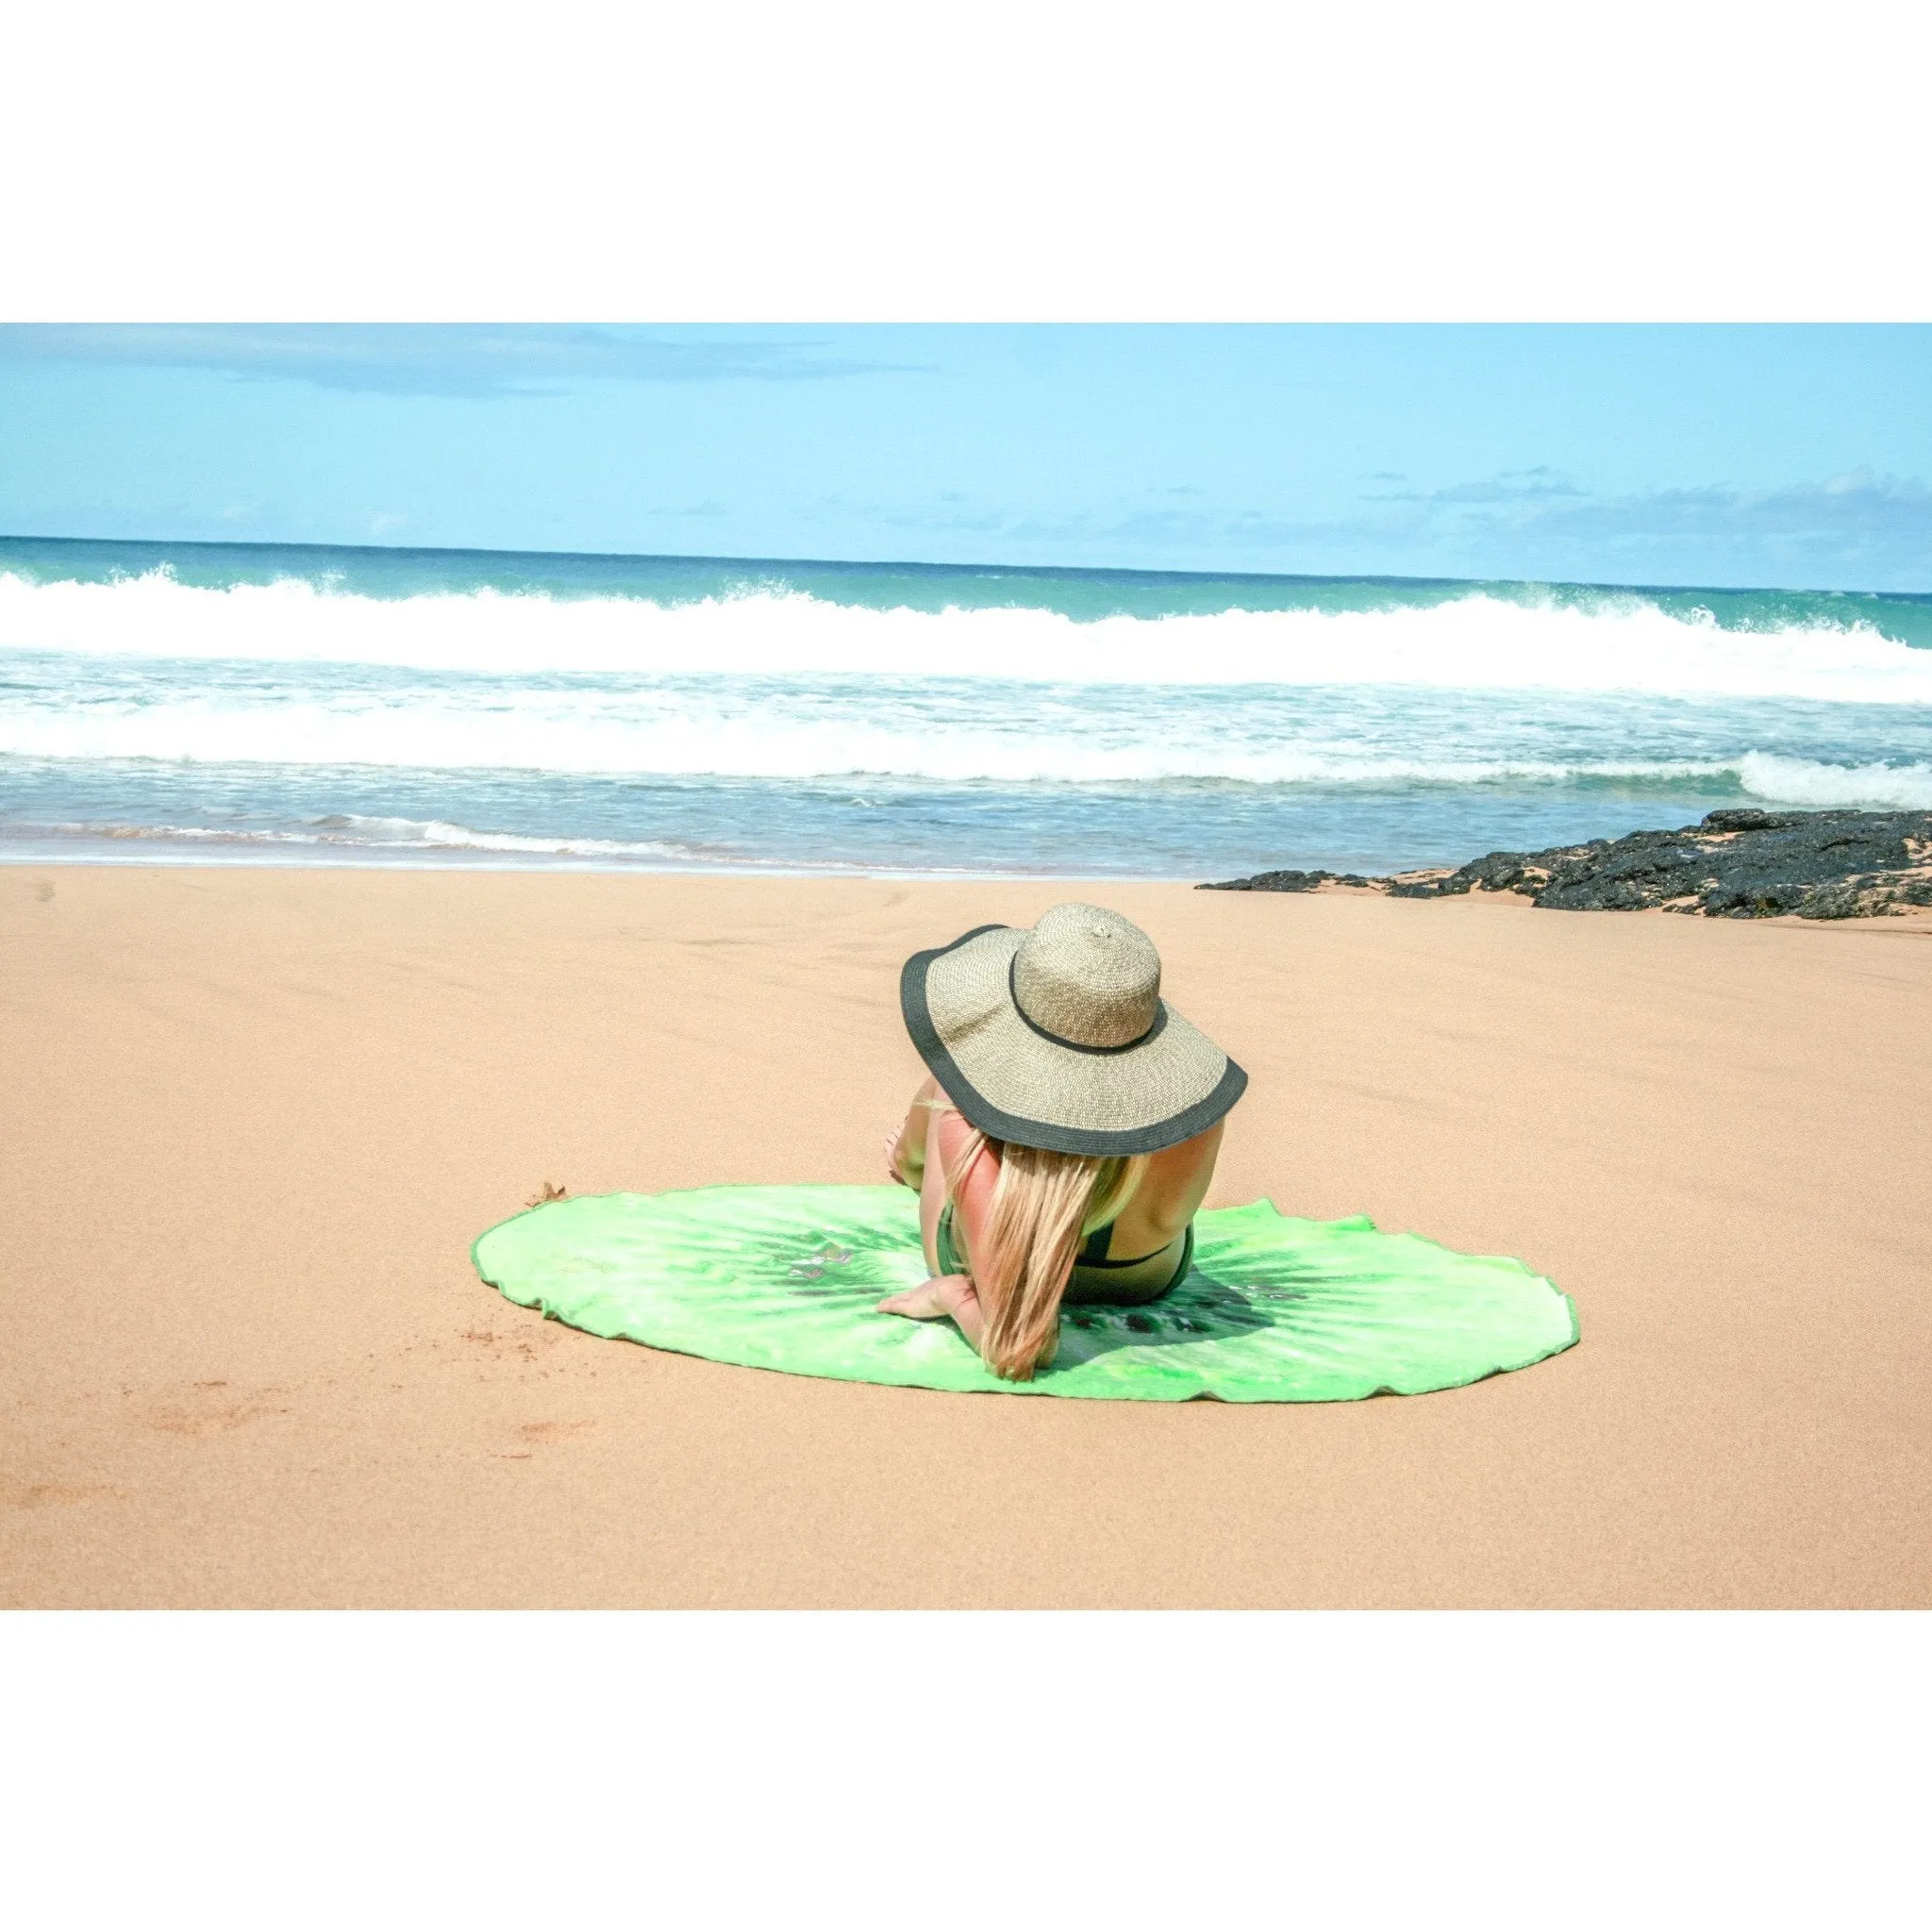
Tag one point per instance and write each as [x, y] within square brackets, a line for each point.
[1068, 1136]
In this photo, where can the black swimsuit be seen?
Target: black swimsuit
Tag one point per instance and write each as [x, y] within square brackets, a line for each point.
[1092, 1258]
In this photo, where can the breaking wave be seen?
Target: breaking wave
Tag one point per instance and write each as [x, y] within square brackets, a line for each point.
[1818, 786]
[1473, 642]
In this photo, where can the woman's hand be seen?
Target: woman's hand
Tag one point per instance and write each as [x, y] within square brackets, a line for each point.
[931, 1301]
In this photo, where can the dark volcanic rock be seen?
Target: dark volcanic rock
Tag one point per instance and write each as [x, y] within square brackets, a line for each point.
[1738, 864]
[1287, 882]
[1500, 872]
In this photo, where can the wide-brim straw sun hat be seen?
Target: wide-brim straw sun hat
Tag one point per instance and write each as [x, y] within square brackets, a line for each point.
[1056, 1037]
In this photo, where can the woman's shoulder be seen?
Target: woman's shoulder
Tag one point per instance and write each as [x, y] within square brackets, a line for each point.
[1176, 1178]
[1186, 1156]
[954, 1131]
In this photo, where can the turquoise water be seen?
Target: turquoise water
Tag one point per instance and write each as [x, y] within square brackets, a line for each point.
[1082, 595]
[282, 702]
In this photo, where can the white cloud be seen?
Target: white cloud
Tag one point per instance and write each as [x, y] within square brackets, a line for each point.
[474, 360]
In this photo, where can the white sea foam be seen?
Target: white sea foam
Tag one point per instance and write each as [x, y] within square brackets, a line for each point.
[1475, 642]
[440, 835]
[598, 736]
[385, 834]
[1806, 782]
[356, 838]
[679, 746]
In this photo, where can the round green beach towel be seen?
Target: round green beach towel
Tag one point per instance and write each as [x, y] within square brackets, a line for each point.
[1274, 1310]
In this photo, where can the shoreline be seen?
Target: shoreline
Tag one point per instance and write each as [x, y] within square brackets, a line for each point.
[524, 865]
[258, 1112]
[1904, 920]
[1816, 866]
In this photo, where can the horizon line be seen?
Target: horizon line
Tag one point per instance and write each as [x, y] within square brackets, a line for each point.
[1061, 569]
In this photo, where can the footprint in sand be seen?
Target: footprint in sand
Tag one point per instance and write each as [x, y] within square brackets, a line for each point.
[202, 1419]
[47, 1496]
[524, 1345]
[551, 1432]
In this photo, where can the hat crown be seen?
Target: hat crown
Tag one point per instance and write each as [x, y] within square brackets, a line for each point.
[1086, 975]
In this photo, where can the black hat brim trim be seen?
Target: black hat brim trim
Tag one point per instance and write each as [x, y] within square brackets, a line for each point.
[1110, 1143]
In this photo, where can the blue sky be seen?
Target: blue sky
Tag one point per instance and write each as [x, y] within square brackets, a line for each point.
[1703, 454]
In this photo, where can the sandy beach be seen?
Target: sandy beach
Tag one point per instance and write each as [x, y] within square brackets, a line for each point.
[252, 1118]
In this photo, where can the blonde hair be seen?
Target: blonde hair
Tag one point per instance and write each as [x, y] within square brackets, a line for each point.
[1044, 1205]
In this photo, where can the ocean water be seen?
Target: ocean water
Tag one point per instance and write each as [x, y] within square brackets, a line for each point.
[280, 704]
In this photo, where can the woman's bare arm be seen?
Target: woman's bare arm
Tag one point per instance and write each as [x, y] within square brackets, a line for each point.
[943, 1136]
[971, 1198]
[905, 1150]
